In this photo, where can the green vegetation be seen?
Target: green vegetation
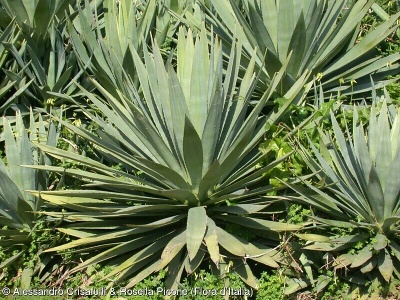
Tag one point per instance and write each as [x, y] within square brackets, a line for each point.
[199, 149]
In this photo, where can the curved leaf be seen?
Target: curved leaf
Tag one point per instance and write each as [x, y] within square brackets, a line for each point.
[195, 230]
[361, 257]
[211, 240]
[385, 265]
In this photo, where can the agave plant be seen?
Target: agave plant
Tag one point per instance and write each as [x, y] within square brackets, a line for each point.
[49, 67]
[33, 17]
[361, 193]
[43, 62]
[191, 170]
[18, 208]
[323, 35]
[104, 40]
[7, 94]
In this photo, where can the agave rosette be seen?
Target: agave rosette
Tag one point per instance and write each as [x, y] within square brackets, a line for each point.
[8, 36]
[361, 192]
[19, 208]
[43, 61]
[323, 35]
[105, 38]
[188, 146]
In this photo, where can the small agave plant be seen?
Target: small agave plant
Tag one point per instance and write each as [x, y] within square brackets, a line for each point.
[19, 210]
[324, 36]
[361, 194]
[102, 39]
[188, 144]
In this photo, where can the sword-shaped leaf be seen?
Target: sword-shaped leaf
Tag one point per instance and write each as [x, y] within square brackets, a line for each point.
[195, 229]
[211, 240]
[385, 265]
[193, 154]
[172, 249]
[363, 256]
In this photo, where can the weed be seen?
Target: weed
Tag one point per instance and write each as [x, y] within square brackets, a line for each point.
[271, 287]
